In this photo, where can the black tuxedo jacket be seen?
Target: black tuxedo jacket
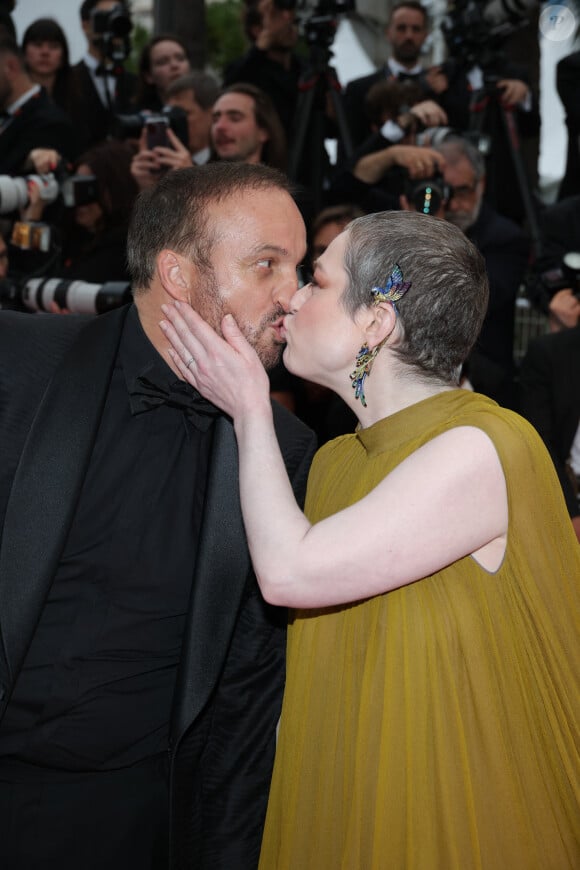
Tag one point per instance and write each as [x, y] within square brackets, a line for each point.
[550, 397]
[39, 123]
[506, 251]
[93, 120]
[54, 377]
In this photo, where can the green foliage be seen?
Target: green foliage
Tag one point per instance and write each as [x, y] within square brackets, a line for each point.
[225, 36]
[140, 36]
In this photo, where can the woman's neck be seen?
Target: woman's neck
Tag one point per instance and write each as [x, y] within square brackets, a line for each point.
[45, 81]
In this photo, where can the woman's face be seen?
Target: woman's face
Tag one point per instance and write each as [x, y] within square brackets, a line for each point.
[43, 57]
[168, 61]
[89, 216]
[322, 338]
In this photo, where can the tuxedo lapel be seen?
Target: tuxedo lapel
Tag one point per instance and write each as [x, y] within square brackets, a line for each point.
[49, 478]
[220, 575]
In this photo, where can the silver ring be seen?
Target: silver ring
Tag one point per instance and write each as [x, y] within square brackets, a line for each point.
[189, 362]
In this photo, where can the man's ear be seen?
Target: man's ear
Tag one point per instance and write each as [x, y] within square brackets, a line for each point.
[378, 322]
[176, 274]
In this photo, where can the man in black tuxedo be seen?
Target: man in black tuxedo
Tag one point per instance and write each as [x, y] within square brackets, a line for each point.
[31, 120]
[550, 400]
[141, 672]
[107, 88]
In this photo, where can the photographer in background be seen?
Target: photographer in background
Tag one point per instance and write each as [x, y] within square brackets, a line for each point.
[272, 64]
[194, 94]
[94, 228]
[31, 120]
[106, 86]
[551, 287]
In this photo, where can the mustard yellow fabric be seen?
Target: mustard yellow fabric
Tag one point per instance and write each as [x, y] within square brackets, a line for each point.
[436, 727]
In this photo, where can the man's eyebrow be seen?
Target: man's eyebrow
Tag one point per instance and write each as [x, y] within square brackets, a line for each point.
[259, 250]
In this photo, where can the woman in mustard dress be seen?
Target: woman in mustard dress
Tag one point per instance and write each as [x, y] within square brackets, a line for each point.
[430, 719]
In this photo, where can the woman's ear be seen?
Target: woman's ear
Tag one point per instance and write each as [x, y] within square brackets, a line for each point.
[176, 274]
[379, 321]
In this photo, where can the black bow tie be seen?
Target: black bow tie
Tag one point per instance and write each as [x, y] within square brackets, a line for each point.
[146, 395]
[408, 77]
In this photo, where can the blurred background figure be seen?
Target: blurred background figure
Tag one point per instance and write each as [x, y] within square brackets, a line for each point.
[46, 55]
[550, 400]
[163, 60]
[31, 120]
[94, 226]
[246, 127]
[107, 88]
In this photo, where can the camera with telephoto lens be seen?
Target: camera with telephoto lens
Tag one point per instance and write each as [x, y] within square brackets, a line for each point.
[112, 28]
[78, 297]
[14, 191]
[475, 32]
[427, 195]
[74, 189]
[317, 21]
[130, 126]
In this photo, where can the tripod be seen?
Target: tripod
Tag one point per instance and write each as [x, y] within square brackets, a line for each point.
[308, 161]
[488, 114]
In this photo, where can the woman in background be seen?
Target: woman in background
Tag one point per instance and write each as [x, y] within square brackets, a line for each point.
[46, 55]
[163, 59]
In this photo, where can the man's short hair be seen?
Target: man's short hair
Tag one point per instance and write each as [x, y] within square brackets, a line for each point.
[409, 4]
[205, 87]
[454, 148]
[174, 213]
[441, 314]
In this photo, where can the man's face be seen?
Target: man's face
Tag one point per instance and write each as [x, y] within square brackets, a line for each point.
[464, 206]
[406, 34]
[198, 119]
[259, 242]
[234, 131]
[280, 25]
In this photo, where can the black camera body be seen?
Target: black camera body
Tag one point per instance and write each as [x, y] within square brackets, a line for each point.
[472, 39]
[130, 126]
[427, 195]
[112, 29]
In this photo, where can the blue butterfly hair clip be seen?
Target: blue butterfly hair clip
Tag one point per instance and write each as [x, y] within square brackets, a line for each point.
[393, 290]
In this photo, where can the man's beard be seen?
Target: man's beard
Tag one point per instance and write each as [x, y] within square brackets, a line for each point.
[212, 307]
[407, 54]
[464, 220]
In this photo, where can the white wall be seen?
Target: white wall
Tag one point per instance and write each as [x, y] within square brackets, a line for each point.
[66, 12]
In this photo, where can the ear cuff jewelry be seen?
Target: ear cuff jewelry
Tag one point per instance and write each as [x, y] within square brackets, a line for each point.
[393, 290]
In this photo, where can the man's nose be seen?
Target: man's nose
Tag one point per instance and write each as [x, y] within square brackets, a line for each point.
[285, 291]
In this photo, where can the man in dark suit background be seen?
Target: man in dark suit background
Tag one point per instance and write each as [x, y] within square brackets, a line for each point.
[506, 251]
[108, 89]
[31, 120]
[141, 672]
[550, 400]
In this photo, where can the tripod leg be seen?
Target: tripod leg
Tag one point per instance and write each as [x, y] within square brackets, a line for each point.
[303, 119]
[343, 130]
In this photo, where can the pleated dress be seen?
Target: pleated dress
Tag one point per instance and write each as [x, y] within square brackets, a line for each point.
[436, 726]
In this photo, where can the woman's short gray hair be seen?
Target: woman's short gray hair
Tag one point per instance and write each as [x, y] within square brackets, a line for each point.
[441, 314]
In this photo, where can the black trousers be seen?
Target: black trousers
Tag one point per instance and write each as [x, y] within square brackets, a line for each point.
[112, 820]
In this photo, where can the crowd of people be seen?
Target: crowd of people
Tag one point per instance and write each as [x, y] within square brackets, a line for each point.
[429, 717]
